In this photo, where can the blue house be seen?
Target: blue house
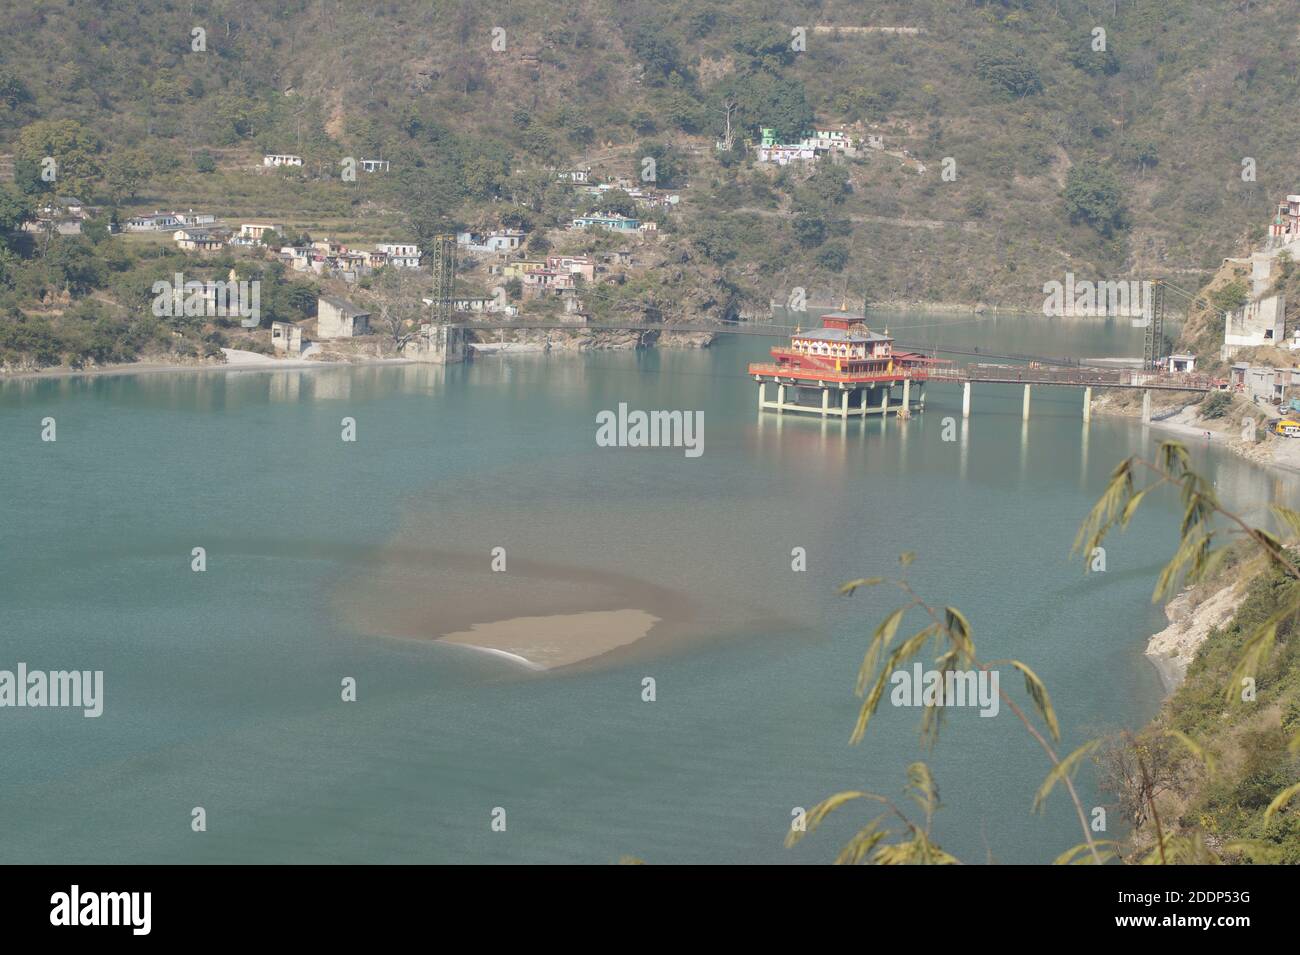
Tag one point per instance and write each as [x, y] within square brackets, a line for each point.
[613, 223]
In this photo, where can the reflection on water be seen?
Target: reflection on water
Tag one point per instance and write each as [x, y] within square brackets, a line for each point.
[329, 560]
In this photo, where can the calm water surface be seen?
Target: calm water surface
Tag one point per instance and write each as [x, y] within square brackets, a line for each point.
[223, 688]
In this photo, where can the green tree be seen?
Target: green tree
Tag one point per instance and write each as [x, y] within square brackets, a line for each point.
[74, 150]
[1092, 194]
[28, 340]
[668, 165]
[765, 100]
[809, 229]
[1143, 153]
[833, 256]
[1008, 69]
[124, 172]
[766, 45]
[13, 91]
[15, 209]
[1230, 297]
[659, 56]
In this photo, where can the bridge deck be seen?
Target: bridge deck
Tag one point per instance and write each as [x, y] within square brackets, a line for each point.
[1075, 377]
[1060, 371]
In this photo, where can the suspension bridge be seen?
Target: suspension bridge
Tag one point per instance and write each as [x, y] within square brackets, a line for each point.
[1003, 368]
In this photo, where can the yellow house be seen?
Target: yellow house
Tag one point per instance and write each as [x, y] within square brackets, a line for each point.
[517, 270]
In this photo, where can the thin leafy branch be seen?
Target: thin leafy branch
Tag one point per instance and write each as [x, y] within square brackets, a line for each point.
[1207, 530]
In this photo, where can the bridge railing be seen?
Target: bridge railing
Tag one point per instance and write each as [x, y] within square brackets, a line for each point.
[1078, 377]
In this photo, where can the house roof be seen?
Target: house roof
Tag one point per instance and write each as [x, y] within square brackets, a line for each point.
[343, 305]
[843, 335]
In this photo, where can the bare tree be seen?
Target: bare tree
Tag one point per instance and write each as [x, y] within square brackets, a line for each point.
[397, 298]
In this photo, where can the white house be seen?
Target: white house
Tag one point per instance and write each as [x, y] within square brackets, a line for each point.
[158, 222]
[784, 155]
[256, 230]
[401, 255]
[500, 240]
[281, 160]
[374, 165]
[195, 218]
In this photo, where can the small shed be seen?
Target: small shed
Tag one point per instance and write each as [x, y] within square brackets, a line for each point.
[286, 338]
[338, 318]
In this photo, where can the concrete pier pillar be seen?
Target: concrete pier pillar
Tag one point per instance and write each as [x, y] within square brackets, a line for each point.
[965, 399]
[780, 399]
[921, 395]
[884, 400]
[1024, 410]
[1146, 407]
[826, 402]
[907, 394]
[1087, 404]
[844, 404]
[762, 394]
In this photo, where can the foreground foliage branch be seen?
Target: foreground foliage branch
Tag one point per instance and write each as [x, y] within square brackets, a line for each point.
[1206, 530]
[949, 632]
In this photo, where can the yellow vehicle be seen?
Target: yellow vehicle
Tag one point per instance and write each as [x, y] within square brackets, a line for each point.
[1287, 427]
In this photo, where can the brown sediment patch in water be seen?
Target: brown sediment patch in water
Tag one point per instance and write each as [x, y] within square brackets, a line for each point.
[587, 581]
[550, 614]
[558, 640]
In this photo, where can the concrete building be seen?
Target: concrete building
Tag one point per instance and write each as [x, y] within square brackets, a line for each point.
[281, 160]
[500, 240]
[339, 318]
[783, 155]
[613, 223]
[517, 270]
[574, 264]
[286, 337]
[193, 218]
[400, 255]
[1261, 322]
[197, 240]
[1285, 227]
[547, 282]
[374, 165]
[256, 230]
[1261, 383]
[1181, 363]
[436, 344]
[158, 222]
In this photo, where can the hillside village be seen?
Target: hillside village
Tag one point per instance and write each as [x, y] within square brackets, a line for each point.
[293, 184]
[501, 270]
[640, 169]
[1238, 332]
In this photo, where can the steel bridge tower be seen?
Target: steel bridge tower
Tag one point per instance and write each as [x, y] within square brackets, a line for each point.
[1154, 341]
[443, 264]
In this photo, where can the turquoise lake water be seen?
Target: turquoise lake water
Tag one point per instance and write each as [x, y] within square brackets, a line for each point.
[223, 688]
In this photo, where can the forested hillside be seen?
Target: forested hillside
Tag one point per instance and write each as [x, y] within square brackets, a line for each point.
[1155, 156]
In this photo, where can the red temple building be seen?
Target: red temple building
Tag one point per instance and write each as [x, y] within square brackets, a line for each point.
[854, 369]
